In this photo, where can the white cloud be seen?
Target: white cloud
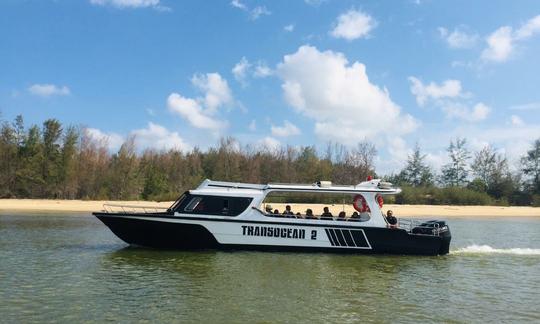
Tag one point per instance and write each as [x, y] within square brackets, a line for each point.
[243, 70]
[158, 137]
[48, 90]
[424, 93]
[288, 129]
[289, 28]
[240, 70]
[262, 70]
[254, 13]
[530, 28]
[459, 37]
[252, 125]
[501, 43]
[259, 11]
[339, 97]
[352, 25]
[190, 110]
[216, 89]
[516, 120]
[449, 96]
[238, 4]
[269, 143]
[111, 139]
[478, 112]
[131, 4]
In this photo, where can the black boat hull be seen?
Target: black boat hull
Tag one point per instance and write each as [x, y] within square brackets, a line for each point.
[155, 231]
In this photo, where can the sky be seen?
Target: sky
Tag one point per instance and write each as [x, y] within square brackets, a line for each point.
[183, 74]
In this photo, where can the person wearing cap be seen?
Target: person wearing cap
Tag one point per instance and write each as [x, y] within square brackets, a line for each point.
[268, 209]
[391, 219]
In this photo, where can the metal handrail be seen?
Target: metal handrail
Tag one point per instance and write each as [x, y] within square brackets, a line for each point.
[125, 209]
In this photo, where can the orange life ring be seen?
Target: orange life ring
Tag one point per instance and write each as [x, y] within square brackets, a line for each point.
[360, 204]
[380, 200]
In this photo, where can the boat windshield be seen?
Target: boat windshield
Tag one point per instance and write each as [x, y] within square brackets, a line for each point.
[212, 205]
[323, 206]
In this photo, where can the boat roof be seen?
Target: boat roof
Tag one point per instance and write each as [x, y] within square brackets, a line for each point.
[375, 185]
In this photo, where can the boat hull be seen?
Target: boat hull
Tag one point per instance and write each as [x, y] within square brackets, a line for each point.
[190, 233]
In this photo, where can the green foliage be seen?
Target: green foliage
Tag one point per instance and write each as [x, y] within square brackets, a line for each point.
[531, 167]
[454, 174]
[68, 163]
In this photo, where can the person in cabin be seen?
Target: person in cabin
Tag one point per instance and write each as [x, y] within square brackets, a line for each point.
[268, 209]
[355, 217]
[341, 216]
[391, 219]
[276, 212]
[326, 214]
[309, 214]
[288, 212]
[298, 215]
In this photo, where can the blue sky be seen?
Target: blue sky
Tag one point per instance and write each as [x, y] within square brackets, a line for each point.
[269, 73]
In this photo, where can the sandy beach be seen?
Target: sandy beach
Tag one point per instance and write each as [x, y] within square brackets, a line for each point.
[88, 206]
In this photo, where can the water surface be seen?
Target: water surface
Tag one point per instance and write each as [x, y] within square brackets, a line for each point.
[69, 268]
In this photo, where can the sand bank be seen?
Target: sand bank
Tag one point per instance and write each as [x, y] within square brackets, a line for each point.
[88, 206]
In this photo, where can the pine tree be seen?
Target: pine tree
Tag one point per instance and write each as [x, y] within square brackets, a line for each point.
[417, 173]
[455, 173]
[531, 166]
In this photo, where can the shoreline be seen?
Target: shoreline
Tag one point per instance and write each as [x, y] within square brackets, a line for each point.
[88, 206]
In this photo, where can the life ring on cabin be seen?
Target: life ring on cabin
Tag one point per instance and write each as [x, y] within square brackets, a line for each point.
[359, 203]
[380, 200]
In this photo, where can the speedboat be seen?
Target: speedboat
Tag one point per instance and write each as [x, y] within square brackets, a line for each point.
[236, 216]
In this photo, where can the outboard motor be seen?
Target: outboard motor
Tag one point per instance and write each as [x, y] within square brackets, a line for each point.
[436, 228]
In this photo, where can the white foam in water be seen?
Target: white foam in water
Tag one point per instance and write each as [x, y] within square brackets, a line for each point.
[486, 249]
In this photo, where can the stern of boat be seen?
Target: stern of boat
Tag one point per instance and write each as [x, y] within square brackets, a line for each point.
[432, 228]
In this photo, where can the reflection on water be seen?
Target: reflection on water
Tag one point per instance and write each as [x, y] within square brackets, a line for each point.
[67, 268]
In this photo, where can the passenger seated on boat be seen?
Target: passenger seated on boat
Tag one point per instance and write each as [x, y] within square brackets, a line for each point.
[298, 215]
[268, 209]
[391, 219]
[326, 214]
[276, 212]
[288, 212]
[341, 216]
[309, 214]
[355, 217]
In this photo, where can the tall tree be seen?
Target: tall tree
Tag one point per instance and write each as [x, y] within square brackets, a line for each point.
[68, 167]
[455, 173]
[492, 169]
[8, 159]
[52, 132]
[30, 180]
[417, 173]
[531, 166]
[124, 176]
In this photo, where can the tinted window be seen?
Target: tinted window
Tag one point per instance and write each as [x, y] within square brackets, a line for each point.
[214, 205]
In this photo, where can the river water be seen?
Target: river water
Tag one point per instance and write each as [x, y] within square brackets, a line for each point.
[71, 268]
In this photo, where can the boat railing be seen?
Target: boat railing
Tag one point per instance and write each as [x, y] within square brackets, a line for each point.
[409, 224]
[128, 209]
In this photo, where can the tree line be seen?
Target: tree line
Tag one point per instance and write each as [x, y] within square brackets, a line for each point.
[66, 162]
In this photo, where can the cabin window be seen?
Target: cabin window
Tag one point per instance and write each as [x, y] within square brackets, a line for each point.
[193, 204]
[214, 205]
[323, 206]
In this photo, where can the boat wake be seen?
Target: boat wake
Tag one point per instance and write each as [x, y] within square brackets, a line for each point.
[486, 249]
